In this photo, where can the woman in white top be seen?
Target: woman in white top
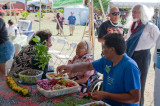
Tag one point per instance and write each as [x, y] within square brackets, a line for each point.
[157, 73]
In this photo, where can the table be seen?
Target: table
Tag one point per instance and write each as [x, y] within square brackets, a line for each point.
[10, 98]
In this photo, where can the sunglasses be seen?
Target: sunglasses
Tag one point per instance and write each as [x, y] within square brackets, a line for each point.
[115, 13]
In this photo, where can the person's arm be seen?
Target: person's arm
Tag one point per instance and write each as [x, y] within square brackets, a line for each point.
[83, 80]
[132, 96]
[72, 68]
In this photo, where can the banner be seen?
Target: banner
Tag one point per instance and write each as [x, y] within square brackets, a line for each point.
[63, 3]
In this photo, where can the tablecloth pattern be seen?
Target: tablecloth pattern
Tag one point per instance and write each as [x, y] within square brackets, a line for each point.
[10, 98]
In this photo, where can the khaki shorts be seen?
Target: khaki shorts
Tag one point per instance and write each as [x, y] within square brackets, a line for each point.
[71, 27]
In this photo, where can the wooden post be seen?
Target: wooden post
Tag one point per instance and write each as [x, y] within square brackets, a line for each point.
[91, 31]
[100, 2]
[85, 26]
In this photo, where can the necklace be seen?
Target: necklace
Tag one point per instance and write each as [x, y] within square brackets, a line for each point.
[113, 24]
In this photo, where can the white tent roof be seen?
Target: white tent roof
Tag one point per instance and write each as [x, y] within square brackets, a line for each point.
[131, 3]
[37, 2]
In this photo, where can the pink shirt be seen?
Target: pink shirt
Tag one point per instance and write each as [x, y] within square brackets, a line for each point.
[85, 58]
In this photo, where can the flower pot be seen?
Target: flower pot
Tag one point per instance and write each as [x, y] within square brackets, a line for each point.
[30, 79]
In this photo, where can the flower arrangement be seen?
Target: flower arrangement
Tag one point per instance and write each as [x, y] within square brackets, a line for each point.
[14, 86]
[55, 84]
[87, 95]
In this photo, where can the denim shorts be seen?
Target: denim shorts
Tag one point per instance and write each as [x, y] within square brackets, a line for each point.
[6, 51]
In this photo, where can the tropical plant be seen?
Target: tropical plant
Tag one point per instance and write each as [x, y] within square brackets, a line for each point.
[61, 11]
[96, 4]
[25, 14]
[41, 53]
[37, 15]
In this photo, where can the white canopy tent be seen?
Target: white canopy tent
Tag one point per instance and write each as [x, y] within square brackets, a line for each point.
[131, 3]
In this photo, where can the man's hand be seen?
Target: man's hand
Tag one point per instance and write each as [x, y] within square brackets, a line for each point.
[99, 95]
[64, 69]
[154, 66]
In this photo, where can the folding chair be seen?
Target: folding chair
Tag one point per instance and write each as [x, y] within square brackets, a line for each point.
[60, 45]
[8, 66]
[59, 42]
[67, 54]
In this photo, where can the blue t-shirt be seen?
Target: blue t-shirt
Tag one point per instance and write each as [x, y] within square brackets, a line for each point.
[72, 20]
[122, 78]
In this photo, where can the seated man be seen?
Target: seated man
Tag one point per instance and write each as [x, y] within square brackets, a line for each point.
[121, 76]
[82, 55]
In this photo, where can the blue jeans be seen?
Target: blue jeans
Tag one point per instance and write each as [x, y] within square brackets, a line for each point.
[6, 51]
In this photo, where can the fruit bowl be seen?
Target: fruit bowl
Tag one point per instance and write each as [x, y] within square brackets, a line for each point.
[30, 76]
[54, 75]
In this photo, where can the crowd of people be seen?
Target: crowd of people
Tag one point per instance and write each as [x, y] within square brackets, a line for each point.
[124, 62]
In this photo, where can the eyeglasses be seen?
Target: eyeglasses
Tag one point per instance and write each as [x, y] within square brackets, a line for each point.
[115, 13]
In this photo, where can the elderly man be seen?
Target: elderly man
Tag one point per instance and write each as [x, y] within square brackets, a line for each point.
[121, 76]
[110, 26]
[142, 37]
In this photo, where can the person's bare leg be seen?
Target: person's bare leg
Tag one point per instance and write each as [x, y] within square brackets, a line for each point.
[70, 31]
[2, 69]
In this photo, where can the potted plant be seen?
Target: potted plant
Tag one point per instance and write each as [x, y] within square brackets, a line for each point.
[41, 58]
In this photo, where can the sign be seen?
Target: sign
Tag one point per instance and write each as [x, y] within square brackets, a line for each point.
[63, 3]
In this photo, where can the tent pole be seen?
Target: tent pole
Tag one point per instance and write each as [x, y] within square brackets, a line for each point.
[91, 26]
[40, 16]
[10, 9]
[85, 26]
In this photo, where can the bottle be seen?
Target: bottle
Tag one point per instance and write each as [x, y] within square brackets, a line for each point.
[50, 65]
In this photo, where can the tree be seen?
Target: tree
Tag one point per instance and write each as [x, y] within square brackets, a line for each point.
[104, 3]
[97, 5]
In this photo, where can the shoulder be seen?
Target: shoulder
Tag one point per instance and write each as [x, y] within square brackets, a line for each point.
[151, 26]
[130, 63]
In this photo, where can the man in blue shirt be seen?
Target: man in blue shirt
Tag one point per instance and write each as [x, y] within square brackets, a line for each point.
[121, 75]
[71, 23]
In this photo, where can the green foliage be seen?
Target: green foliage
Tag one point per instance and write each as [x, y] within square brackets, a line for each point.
[96, 4]
[42, 15]
[41, 53]
[61, 10]
[71, 101]
[25, 14]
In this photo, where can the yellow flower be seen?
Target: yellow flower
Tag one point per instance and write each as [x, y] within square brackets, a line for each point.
[19, 88]
[25, 91]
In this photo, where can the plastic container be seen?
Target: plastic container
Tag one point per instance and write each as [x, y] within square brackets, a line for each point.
[28, 79]
[98, 102]
[50, 78]
[53, 93]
